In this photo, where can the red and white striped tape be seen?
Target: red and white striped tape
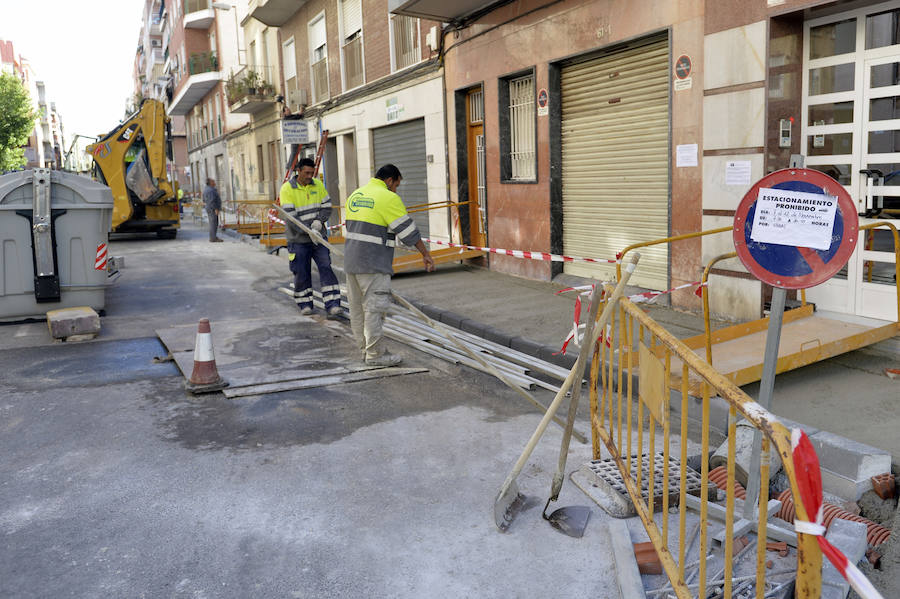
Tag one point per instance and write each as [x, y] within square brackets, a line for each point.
[100, 260]
[809, 485]
[645, 297]
[521, 253]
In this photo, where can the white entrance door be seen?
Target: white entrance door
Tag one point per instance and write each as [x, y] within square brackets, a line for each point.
[851, 122]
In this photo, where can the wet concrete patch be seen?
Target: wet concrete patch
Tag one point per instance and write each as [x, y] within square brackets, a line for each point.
[84, 364]
[325, 414]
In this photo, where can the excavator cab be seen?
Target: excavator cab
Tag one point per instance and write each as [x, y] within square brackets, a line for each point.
[132, 161]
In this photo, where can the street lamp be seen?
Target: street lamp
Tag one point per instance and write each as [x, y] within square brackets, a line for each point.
[237, 39]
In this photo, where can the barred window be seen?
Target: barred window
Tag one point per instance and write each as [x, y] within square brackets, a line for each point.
[518, 134]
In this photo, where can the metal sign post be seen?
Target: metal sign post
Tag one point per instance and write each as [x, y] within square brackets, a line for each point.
[794, 229]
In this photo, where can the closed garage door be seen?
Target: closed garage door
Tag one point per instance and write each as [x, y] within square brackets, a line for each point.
[615, 156]
[403, 145]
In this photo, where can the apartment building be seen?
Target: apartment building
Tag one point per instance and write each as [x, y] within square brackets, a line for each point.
[255, 88]
[42, 150]
[582, 127]
[203, 51]
[373, 81]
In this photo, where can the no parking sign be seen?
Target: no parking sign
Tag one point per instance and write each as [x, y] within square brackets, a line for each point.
[795, 228]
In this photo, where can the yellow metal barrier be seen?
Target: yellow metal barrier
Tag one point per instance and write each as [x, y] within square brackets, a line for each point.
[643, 348]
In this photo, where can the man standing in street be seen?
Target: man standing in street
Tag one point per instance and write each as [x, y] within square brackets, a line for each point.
[213, 203]
[376, 217]
[306, 199]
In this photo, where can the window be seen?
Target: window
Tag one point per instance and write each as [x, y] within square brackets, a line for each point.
[351, 43]
[517, 129]
[289, 58]
[318, 61]
[404, 42]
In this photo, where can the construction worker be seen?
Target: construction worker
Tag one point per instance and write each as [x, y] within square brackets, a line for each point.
[213, 204]
[376, 217]
[306, 199]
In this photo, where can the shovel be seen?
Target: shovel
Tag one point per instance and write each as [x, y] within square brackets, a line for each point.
[509, 501]
[573, 520]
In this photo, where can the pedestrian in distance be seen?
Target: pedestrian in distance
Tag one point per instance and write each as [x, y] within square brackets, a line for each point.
[213, 204]
[305, 198]
[376, 219]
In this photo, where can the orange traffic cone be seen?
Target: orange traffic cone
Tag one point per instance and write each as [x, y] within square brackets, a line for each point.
[205, 377]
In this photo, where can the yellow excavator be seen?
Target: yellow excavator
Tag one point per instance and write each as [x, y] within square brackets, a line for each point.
[131, 160]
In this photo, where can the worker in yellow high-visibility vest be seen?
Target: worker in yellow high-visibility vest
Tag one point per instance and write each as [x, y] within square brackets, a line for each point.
[305, 198]
[376, 218]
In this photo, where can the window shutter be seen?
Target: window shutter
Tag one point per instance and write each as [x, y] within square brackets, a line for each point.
[351, 13]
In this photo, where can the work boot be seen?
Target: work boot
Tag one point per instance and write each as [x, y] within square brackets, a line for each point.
[335, 310]
[216, 240]
[306, 311]
[384, 360]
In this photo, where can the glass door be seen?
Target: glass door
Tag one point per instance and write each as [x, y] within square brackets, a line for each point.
[851, 123]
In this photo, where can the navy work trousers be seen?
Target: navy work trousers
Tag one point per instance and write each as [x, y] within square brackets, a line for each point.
[301, 265]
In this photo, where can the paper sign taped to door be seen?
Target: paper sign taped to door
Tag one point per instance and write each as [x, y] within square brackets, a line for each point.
[794, 218]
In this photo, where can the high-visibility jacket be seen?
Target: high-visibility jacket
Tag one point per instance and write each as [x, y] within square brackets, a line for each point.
[306, 203]
[375, 219]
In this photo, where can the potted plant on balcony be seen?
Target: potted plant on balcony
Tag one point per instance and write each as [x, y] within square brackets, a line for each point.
[252, 81]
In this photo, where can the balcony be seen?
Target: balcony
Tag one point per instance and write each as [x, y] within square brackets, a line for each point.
[274, 13]
[353, 63]
[198, 14]
[204, 76]
[251, 89]
[437, 10]
[156, 25]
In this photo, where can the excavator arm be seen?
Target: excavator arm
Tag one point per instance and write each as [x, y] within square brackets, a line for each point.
[131, 160]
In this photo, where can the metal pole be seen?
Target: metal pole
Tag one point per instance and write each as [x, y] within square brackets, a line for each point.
[766, 386]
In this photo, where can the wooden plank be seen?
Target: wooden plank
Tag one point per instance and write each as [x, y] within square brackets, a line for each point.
[412, 262]
[746, 328]
[803, 341]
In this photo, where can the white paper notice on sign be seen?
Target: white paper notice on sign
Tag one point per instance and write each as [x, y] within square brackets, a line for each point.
[737, 172]
[794, 218]
[686, 155]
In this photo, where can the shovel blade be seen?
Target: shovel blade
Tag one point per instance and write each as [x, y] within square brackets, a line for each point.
[507, 505]
[570, 520]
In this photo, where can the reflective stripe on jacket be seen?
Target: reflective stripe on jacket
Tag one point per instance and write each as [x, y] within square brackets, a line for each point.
[309, 203]
[376, 218]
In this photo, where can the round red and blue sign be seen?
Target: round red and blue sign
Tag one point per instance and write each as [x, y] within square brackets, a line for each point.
[790, 266]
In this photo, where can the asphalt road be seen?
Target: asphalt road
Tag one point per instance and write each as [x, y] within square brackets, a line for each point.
[117, 483]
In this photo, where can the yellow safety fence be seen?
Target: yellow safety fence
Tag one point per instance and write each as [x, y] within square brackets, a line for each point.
[631, 424]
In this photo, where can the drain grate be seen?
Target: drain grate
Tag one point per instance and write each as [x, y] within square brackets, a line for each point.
[608, 472]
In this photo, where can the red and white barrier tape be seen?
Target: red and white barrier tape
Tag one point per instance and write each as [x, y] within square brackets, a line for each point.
[521, 253]
[809, 485]
[638, 298]
[100, 260]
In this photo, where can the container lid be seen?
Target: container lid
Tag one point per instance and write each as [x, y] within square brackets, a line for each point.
[67, 190]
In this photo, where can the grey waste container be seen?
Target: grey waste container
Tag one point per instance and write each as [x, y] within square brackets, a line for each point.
[51, 225]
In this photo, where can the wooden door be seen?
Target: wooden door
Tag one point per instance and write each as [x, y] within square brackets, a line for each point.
[475, 157]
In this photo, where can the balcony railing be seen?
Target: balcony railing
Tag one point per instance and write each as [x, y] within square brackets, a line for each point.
[195, 5]
[320, 80]
[203, 62]
[353, 63]
[254, 83]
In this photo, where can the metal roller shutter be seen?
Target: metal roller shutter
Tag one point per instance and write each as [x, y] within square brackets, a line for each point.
[615, 160]
[403, 145]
